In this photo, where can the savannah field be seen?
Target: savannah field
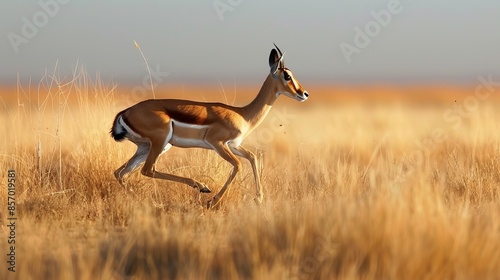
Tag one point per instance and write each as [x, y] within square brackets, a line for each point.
[366, 182]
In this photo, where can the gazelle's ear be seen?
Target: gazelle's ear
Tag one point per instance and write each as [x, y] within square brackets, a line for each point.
[273, 58]
[274, 62]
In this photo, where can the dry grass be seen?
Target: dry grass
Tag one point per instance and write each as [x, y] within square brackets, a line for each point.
[359, 184]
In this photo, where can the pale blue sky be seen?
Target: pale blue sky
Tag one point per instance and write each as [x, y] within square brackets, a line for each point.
[425, 41]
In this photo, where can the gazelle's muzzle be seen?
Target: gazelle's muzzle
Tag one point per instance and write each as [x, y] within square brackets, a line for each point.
[302, 96]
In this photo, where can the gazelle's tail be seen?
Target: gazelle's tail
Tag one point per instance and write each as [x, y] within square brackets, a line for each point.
[118, 131]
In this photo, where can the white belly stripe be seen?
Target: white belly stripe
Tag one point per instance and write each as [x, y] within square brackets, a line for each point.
[188, 142]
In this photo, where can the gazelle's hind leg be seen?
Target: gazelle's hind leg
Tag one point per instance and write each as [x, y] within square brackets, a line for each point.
[133, 163]
[159, 144]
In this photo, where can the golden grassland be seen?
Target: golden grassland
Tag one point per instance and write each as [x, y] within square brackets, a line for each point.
[360, 183]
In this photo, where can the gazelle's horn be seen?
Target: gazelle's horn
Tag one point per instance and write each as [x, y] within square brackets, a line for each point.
[278, 49]
[280, 61]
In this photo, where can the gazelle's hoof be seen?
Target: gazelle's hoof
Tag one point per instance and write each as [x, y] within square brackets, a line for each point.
[122, 183]
[213, 203]
[205, 190]
[209, 204]
[258, 200]
[202, 187]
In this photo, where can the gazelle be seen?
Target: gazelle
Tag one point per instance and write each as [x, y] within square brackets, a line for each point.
[156, 125]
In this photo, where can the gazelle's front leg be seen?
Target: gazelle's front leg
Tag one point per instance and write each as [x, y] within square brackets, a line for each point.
[223, 150]
[243, 152]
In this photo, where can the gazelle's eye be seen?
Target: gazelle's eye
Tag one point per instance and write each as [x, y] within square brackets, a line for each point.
[286, 76]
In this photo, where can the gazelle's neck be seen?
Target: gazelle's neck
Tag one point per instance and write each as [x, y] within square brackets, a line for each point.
[255, 112]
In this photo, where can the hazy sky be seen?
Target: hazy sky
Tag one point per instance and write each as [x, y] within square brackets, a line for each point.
[229, 40]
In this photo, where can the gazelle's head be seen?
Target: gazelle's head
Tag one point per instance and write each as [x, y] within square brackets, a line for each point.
[286, 82]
